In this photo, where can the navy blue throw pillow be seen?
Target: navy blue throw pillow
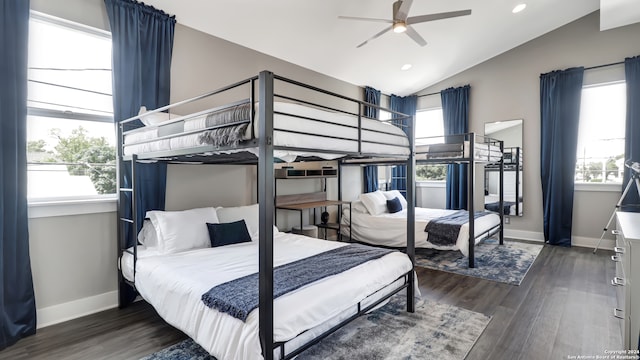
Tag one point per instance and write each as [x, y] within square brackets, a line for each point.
[228, 233]
[394, 205]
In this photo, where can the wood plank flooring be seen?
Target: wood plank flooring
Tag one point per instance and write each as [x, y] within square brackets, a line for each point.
[563, 307]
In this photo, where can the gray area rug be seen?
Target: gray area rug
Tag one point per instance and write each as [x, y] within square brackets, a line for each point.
[434, 331]
[507, 263]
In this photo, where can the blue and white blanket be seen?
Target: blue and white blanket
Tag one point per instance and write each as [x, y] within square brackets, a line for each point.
[444, 230]
[240, 296]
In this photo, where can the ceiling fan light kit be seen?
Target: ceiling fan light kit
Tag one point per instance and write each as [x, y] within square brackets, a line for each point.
[401, 22]
[399, 27]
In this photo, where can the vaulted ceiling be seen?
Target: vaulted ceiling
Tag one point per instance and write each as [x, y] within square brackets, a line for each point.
[310, 34]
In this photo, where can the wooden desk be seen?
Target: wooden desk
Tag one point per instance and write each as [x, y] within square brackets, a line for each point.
[320, 204]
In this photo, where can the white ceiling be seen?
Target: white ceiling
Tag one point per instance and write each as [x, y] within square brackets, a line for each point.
[309, 34]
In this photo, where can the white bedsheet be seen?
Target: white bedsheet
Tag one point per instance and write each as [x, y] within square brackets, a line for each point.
[393, 138]
[174, 284]
[391, 229]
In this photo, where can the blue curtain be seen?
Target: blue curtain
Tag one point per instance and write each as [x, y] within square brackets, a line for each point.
[560, 93]
[17, 301]
[455, 113]
[370, 172]
[632, 130]
[142, 44]
[406, 105]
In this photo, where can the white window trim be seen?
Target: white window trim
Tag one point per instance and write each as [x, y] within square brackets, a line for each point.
[431, 184]
[598, 187]
[44, 209]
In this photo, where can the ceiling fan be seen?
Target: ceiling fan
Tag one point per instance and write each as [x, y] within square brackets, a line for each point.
[401, 22]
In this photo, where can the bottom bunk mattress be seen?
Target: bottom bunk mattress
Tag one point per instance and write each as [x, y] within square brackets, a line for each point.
[390, 229]
[174, 284]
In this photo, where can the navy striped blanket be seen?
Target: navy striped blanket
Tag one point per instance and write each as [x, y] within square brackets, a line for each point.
[444, 230]
[240, 296]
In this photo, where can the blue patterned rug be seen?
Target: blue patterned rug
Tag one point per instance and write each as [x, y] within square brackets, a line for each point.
[434, 331]
[506, 263]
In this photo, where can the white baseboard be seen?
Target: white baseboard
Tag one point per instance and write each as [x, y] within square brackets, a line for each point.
[581, 241]
[77, 308]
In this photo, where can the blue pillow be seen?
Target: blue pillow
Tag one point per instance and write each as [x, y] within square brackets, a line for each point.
[228, 233]
[394, 205]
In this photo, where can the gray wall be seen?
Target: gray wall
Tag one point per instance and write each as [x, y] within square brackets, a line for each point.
[74, 257]
[507, 87]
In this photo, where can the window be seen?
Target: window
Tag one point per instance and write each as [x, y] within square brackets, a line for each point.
[429, 130]
[70, 130]
[601, 134]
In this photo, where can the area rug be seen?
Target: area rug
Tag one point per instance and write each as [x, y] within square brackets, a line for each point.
[507, 263]
[434, 331]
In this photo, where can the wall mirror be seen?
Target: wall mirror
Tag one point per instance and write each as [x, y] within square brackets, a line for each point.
[509, 131]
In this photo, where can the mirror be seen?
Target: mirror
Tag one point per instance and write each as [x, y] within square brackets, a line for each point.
[509, 131]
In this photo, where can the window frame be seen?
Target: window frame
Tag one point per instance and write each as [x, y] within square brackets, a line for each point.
[429, 183]
[82, 204]
[598, 186]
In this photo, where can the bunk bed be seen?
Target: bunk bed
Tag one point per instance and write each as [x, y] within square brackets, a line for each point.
[470, 149]
[259, 130]
[512, 159]
[381, 228]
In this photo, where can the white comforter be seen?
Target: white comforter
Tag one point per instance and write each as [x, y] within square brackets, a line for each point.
[391, 229]
[338, 133]
[174, 284]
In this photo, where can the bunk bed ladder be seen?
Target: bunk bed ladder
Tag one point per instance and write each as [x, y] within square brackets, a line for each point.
[127, 225]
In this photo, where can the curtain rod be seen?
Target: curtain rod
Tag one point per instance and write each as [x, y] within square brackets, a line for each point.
[604, 65]
[587, 68]
[430, 94]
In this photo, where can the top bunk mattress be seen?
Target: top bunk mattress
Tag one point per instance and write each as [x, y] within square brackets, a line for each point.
[459, 150]
[295, 126]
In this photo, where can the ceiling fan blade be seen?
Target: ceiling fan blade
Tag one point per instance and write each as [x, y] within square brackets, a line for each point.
[374, 37]
[365, 19]
[415, 36]
[438, 16]
[403, 10]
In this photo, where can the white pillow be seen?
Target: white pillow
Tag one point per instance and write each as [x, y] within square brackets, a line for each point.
[358, 206]
[249, 213]
[153, 119]
[147, 235]
[395, 193]
[375, 202]
[182, 230]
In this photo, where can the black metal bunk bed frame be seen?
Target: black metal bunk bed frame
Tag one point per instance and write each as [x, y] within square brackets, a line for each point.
[266, 196]
[468, 143]
[512, 164]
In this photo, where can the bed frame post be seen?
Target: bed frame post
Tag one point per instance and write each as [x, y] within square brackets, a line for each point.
[411, 214]
[501, 199]
[471, 164]
[266, 200]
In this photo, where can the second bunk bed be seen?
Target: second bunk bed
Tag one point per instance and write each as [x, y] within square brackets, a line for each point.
[276, 118]
[469, 150]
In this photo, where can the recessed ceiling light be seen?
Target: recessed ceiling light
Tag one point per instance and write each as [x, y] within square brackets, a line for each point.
[519, 8]
[406, 67]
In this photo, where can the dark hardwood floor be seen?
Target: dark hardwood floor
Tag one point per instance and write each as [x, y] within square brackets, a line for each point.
[563, 307]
